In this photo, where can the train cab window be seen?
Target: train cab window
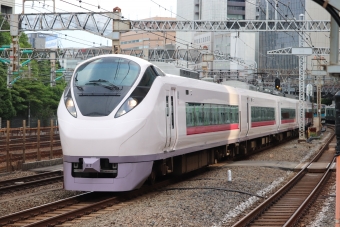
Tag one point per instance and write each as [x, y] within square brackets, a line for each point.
[158, 71]
[148, 77]
[118, 71]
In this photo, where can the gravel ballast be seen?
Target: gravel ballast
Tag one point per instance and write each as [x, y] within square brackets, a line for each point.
[190, 203]
[208, 207]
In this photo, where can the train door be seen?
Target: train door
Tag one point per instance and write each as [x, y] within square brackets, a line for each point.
[248, 116]
[170, 115]
[244, 116]
[279, 116]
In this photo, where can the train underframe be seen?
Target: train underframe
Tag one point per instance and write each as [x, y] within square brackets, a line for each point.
[189, 162]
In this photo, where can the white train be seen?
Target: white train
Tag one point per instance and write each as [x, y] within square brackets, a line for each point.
[123, 121]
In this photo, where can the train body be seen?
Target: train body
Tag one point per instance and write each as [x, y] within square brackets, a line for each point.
[330, 114]
[123, 121]
[322, 111]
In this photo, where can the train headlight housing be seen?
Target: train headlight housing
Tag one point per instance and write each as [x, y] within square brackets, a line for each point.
[128, 105]
[69, 103]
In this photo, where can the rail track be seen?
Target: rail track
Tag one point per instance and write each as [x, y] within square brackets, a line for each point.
[289, 204]
[23, 183]
[75, 207]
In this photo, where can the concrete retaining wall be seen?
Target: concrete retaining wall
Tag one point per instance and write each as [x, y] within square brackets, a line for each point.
[39, 164]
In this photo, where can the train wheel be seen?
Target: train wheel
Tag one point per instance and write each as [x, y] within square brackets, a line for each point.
[152, 178]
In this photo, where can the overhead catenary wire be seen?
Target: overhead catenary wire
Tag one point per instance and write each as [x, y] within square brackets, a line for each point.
[126, 22]
[144, 30]
[60, 32]
[298, 32]
[304, 6]
[94, 43]
[271, 58]
[188, 20]
[122, 20]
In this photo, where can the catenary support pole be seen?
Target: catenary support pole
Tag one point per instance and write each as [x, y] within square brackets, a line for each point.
[334, 43]
[302, 71]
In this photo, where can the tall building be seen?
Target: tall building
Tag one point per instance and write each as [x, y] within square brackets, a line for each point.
[43, 40]
[216, 10]
[223, 43]
[291, 10]
[187, 10]
[7, 6]
[147, 40]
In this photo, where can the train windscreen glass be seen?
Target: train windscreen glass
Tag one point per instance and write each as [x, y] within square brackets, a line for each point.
[101, 84]
[116, 71]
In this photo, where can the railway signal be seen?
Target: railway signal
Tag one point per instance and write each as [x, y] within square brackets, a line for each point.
[277, 84]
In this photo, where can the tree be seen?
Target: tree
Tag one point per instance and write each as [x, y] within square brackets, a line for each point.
[30, 90]
[7, 110]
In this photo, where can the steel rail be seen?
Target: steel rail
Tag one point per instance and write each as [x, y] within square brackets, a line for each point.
[30, 181]
[294, 219]
[101, 201]
[264, 206]
[22, 215]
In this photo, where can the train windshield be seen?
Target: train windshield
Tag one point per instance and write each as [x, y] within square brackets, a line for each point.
[113, 70]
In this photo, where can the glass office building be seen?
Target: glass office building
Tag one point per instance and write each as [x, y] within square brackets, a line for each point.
[286, 9]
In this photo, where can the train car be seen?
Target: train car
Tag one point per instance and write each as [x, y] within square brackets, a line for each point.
[123, 121]
[330, 114]
[322, 111]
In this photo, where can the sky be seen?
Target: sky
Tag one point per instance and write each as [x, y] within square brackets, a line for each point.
[131, 9]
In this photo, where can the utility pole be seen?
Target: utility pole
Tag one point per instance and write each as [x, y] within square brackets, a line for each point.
[14, 53]
[302, 71]
[23, 5]
[29, 70]
[187, 56]
[117, 14]
[318, 74]
[52, 60]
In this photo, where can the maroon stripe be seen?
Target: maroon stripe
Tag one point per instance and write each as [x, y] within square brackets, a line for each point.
[287, 121]
[211, 128]
[262, 123]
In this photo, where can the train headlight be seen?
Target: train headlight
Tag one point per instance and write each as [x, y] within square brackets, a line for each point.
[132, 102]
[128, 105]
[70, 104]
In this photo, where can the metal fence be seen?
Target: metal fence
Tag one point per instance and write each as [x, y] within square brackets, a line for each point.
[31, 123]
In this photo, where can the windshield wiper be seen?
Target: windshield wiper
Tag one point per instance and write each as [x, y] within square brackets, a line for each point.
[79, 88]
[110, 86]
[96, 83]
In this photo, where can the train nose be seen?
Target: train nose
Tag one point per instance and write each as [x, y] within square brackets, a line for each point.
[91, 165]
